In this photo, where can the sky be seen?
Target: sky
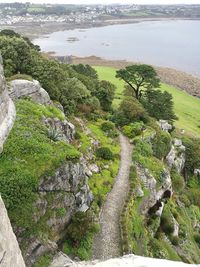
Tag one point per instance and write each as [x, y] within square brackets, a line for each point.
[106, 1]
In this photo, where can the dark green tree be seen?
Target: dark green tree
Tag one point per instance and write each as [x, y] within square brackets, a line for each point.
[105, 92]
[86, 70]
[139, 78]
[130, 110]
[159, 104]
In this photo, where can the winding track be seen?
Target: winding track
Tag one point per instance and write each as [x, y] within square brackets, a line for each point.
[107, 241]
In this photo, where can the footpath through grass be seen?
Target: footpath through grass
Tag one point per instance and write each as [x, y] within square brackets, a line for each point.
[187, 107]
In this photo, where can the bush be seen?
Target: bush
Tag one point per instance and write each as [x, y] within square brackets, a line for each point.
[133, 129]
[161, 144]
[104, 153]
[167, 224]
[197, 238]
[107, 126]
[143, 148]
[130, 111]
[192, 154]
[174, 240]
[177, 181]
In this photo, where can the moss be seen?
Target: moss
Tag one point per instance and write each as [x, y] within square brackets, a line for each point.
[29, 155]
[44, 261]
[20, 77]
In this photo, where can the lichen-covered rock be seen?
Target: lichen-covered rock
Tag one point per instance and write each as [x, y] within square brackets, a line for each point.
[32, 89]
[7, 109]
[176, 156]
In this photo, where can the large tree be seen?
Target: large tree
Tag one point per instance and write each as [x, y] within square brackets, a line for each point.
[159, 104]
[138, 78]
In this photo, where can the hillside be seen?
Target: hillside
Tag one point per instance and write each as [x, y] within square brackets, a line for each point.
[186, 107]
[94, 182]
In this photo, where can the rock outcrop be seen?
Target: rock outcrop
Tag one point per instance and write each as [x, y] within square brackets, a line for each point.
[62, 260]
[157, 193]
[176, 156]
[7, 109]
[32, 89]
[165, 126]
[10, 254]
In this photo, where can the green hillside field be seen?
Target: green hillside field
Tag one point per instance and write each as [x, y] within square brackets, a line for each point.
[187, 107]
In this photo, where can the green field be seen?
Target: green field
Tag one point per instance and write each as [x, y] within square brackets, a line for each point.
[187, 107]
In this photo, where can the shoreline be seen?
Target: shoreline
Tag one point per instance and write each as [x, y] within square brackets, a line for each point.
[173, 77]
[37, 30]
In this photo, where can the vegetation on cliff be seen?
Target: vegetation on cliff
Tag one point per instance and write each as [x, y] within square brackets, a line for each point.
[35, 151]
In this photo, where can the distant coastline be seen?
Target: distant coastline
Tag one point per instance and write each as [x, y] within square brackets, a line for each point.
[36, 30]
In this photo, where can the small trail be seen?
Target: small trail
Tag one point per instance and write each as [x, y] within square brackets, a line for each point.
[107, 243]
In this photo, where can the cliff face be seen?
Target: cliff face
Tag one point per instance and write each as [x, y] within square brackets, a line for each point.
[60, 196]
[7, 109]
[10, 254]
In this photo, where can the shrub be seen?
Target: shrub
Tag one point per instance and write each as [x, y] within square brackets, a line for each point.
[104, 153]
[54, 134]
[194, 196]
[130, 111]
[143, 149]
[174, 240]
[161, 144]
[197, 238]
[177, 181]
[133, 129]
[107, 126]
[192, 154]
[167, 224]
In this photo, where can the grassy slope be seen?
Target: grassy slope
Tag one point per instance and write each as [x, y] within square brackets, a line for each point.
[186, 106]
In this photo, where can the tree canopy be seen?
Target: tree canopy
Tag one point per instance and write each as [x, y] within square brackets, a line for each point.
[159, 104]
[138, 78]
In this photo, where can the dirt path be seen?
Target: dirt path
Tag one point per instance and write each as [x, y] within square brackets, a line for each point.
[107, 243]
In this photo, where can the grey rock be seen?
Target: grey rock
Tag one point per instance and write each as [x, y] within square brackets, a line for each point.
[131, 260]
[164, 125]
[10, 254]
[156, 193]
[176, 156]
[197, 172]
[139, 192]
[7, 110]
[32, 89]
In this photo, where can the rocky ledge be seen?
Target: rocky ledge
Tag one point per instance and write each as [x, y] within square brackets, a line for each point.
[62, 260]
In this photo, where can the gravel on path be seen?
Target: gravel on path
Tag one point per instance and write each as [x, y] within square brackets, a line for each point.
[107, 243]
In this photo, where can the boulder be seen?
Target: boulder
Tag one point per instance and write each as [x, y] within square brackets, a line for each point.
[165, 126]
[32, 89]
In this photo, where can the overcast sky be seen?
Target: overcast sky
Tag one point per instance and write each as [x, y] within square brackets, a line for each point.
[107, 1]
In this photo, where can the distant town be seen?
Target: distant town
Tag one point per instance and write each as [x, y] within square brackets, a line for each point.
[17, 13]
[23, 17]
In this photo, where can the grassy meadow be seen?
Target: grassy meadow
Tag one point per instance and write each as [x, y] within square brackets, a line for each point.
[187, 107]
